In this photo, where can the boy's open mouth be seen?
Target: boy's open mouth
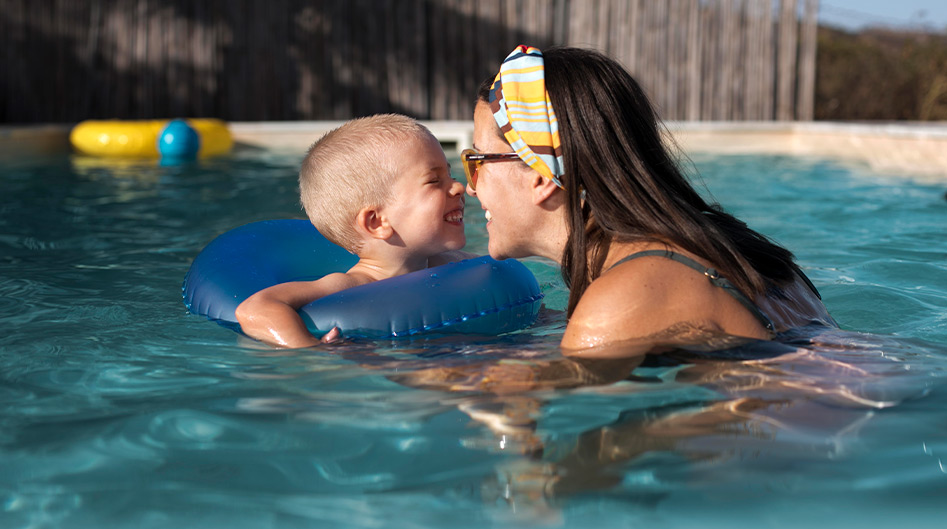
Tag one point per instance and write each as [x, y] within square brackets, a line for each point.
[455, 216]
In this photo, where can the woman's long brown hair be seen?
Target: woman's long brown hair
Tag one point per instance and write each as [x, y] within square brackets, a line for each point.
[613, 149]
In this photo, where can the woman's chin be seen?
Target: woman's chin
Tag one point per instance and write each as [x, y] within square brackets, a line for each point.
[498, 252]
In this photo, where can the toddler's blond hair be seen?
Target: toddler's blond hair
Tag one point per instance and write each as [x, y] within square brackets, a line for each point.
[352, 167]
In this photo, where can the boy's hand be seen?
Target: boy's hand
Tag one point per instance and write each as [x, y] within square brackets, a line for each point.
[270, 314]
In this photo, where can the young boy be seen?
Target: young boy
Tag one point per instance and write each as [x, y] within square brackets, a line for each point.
[381, 188]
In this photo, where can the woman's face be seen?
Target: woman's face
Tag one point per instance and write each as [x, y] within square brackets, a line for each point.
[502, 190]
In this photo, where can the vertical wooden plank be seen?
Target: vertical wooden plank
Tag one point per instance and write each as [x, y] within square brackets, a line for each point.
[716, 64]
[11, 41]
[751, 61]
[645, 74]
[534, 23]
[406, 59]
[693, 82]
[537, 24]
[438, 31]
[682, 25]
[461, 79]
[634, 39]
[600, 37]
[106, 89]
[738, 57]
[303, 58]
[619, 33]
[805, 98]
[724, 53]
[213, 58]
[171, 37]
[59, 61]
[115, 26]
[580, 23]
[786, 57]
[302, 27]
[667, 56]
[421, 86]
[768, 39]
[235, 79]
[368, 79]
[343, 56]
[491, 41]
[510, 22]
[85, 19]
[439, 82]
[560, 22]
[659, 62]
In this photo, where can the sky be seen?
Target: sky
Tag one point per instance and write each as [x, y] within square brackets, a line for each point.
[857, 14]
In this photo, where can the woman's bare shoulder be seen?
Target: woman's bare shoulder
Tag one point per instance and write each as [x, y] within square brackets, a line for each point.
[628, 302]
[654, 300]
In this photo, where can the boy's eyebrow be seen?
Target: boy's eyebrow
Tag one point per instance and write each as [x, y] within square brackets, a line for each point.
[436, 168]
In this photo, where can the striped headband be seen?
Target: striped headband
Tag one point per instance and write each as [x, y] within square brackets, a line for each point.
[522, 109]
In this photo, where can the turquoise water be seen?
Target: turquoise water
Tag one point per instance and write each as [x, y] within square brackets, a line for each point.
[119, 409]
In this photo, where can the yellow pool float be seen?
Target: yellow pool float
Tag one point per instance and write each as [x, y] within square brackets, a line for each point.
[139, 138]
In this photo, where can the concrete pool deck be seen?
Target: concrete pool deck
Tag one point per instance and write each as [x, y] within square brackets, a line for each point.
[900, 148]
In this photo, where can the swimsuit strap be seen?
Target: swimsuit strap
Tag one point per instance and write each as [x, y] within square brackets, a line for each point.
[714, 278]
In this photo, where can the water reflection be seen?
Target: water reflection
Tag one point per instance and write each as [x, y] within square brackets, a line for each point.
[763, 404]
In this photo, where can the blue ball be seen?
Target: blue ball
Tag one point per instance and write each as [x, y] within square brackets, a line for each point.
[178, 140]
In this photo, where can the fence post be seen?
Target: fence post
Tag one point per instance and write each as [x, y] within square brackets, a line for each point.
[805, 98]
[786, 60]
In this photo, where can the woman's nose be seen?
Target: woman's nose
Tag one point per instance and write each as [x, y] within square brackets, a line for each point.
[470, 190]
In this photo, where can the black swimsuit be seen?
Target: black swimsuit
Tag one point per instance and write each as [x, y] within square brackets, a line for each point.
[714, 278]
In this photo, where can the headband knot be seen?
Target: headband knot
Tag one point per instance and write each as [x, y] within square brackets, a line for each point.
[523, 111]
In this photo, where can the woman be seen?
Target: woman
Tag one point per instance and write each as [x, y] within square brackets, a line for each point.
[593, 187]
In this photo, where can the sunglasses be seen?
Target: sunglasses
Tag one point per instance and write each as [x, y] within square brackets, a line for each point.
[472, 159]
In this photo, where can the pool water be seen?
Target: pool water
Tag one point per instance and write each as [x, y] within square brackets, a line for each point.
[119, 409]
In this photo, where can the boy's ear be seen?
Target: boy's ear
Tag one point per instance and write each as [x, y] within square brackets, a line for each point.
[542, 188]
[373, 223]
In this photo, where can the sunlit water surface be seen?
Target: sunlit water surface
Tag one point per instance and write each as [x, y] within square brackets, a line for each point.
[119, 409]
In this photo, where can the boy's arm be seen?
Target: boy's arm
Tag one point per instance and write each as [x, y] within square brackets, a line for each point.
[449, 257]
[270, 315]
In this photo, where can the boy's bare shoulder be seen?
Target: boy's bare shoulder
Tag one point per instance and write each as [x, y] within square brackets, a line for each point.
[449, 257]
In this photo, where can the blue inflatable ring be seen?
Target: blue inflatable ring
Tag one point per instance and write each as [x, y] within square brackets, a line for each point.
[475, 296]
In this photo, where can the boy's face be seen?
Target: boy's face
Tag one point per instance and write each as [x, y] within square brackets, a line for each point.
[427, 205]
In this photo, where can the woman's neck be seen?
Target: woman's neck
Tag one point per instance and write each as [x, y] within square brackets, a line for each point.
[550, 242]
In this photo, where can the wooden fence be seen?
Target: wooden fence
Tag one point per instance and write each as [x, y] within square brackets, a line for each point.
[249, 60]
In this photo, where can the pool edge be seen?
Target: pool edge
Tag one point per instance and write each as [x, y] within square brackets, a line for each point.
[909, 148]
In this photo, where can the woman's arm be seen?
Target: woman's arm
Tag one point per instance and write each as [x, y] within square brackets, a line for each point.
[270, 315]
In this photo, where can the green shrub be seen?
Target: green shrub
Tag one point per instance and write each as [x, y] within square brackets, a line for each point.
[881, 74]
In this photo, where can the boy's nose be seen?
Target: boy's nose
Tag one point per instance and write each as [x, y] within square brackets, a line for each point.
[456, 188]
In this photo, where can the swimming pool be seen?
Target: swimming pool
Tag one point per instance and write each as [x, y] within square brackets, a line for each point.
[121, 410]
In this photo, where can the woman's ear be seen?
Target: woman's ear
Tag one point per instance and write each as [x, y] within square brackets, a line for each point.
[542, 188]
[373, 223]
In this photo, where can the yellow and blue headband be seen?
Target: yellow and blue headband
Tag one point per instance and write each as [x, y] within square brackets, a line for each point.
[523, 111]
